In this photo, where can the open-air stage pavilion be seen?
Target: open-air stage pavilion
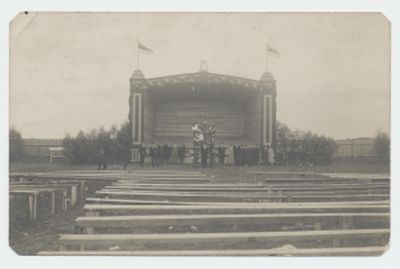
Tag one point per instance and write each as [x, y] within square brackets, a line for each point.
[163, 109]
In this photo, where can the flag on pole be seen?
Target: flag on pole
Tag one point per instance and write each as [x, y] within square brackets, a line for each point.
[143, 48]
[140, 49]
[270, 50]
[273, 50]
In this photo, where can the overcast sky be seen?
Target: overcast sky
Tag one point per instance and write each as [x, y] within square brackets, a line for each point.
[70, 71]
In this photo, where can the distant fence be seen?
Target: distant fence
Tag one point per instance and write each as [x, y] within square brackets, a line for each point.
[42, 148]
[357, 148]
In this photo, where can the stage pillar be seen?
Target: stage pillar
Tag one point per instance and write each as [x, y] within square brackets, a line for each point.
[136, 113]
[268, 110]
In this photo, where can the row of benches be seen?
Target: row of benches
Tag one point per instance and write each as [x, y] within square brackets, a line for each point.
[54, 196]
[169, 213]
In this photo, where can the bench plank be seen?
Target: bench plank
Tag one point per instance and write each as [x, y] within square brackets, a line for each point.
[224, 219]
[161, 202]
[193, 238]
[229, 196]
[233, 208]
[252, 189]
[344, 251]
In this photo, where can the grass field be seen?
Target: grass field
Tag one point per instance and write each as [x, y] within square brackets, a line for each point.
[224, 173]
[342, 166]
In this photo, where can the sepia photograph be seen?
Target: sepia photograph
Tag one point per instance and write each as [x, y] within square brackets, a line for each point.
[199, 133]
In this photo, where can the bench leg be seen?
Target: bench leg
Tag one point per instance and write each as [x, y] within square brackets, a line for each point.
[346, 223]
[30, 207]
[337, 243]
[74, 193]
[92, 213]
[65, 199]
[82, 192]
[34, 206]
[89, 230]
[53, 203]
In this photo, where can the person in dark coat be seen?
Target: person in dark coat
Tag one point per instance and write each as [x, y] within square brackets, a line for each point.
[101, 160]
[168, 153]
[256, 156]
[221, 154]
[158, 154]
[142, 154]
[152, 152]
[181, 153]
[204, 156]
[242, 155]
[247, 156]
[236, 154]
[163, 154]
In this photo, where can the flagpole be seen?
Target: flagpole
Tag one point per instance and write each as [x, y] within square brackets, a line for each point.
[266, 58]
[137, 53]
[137, 60]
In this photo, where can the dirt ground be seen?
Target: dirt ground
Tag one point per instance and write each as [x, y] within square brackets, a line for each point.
[28, 240]
[42, 234]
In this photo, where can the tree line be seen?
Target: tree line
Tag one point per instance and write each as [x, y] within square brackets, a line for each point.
[304, 148]
[292, 147]
[84, 148]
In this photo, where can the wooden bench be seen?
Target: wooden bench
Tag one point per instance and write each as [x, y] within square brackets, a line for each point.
[121, 209]
[174, 180]
[33, 199]
[167, 202]
[316, 180]
[77, 186]
[311, 176]
[241, 197]
[130, 201]
[296, 174]
[77, 189]
[192, 185]
[335, 220]
[282, 251]
[253, 195]
[336, 237]
[358, 176]
[55, 199]
[165, 171]
[166, 176]
[271, 188]
[243, 187]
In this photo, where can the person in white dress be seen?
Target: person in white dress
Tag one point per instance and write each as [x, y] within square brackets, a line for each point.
[271, 156]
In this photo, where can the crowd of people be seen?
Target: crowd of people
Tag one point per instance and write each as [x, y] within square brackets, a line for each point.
[239, 155]
[162, 154]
